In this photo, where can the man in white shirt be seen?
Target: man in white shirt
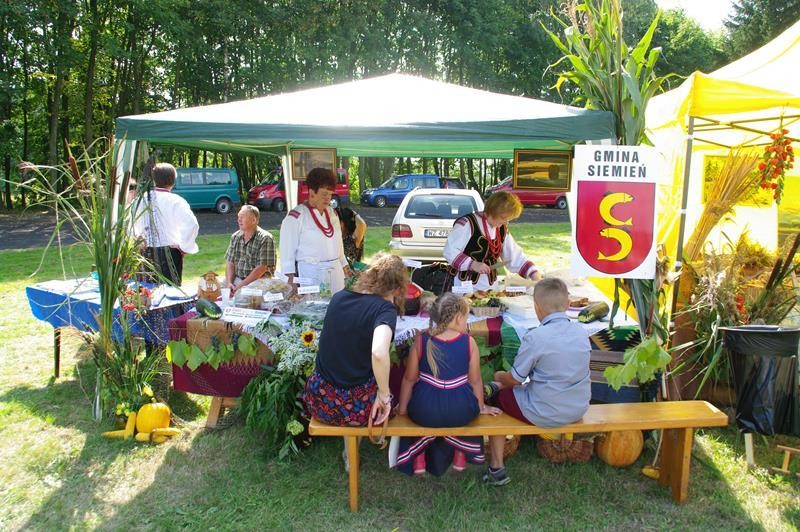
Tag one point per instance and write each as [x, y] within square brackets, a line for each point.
[167, 226]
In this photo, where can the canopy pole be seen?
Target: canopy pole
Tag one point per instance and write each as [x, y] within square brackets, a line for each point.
[684, 200]
[288, 179]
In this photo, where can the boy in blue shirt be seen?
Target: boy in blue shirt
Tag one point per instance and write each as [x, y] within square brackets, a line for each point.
[548, 385]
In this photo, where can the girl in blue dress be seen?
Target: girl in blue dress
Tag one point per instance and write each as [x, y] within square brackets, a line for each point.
[442, 387]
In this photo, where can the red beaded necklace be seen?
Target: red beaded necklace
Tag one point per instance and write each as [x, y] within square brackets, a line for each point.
[495, 244]
[327, 231]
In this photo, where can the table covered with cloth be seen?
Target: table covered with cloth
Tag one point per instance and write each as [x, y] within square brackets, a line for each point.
[230, 378]
[76, 302]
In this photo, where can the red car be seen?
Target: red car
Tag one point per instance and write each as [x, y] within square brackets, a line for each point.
[271, 195]
[557, 199]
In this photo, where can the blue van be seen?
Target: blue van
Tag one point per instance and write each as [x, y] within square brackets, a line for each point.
[208, 188]
[393, 190]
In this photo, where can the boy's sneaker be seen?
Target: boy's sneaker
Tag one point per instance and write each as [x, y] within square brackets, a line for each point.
[490, 390]
[496, 477]
[459, 461]
[419, 464]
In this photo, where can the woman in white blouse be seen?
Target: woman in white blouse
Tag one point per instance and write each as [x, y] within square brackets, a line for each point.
[311, 236]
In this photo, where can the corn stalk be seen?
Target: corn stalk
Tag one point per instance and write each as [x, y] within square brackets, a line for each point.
[611, 76]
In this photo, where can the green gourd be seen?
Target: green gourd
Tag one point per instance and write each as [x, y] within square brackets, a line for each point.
[208, 308]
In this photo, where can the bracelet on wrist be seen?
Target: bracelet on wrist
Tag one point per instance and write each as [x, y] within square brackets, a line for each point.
[386, 399]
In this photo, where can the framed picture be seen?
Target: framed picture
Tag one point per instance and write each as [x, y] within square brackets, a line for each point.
[542, 169]
[306, 159]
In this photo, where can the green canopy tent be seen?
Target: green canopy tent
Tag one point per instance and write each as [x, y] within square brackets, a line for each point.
[393, 115]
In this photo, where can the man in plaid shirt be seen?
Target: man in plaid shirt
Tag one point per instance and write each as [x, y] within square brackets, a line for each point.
[251, 253]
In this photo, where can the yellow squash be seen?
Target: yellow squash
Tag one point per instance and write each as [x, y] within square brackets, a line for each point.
[130, 426]
[152, 416]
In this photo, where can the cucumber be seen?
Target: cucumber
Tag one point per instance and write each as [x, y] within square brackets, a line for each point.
[208, 308]
[595, 311]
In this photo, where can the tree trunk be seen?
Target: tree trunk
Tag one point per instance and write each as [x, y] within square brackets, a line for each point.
[54, 110]
[9, 203]
[25, 125]
[388, 167]
[362, 172]
[91, 65]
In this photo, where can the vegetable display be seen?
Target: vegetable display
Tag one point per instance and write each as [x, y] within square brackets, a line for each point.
[593, 312]
[150, 424]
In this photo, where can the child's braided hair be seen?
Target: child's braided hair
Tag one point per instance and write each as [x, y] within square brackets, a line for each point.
[442, 312]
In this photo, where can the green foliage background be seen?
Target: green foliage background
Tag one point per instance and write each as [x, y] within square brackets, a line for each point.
[68, 68]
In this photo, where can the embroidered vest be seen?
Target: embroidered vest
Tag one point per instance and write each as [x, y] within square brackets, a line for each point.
[477, 248]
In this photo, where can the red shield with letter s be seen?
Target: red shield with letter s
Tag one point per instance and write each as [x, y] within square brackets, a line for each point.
[614, 231]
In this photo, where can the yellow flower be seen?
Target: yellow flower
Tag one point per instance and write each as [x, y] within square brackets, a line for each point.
[146, 390]
[308, 337]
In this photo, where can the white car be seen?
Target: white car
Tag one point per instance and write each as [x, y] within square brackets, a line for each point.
[425, 218]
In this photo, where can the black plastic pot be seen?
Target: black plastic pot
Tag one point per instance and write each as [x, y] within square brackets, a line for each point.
[764, 364]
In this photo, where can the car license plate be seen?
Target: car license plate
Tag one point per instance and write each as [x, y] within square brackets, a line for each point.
[436, 233]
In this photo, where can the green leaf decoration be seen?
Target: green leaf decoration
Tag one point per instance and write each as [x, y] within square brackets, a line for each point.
[226, 352]
[195, 358]
[214, 357]
[176, 352]
[640, 362]
[247, 345]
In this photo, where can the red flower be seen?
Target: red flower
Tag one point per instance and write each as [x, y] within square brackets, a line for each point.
[789, 148]
[761, 166]
[785, 131]
[128, 306]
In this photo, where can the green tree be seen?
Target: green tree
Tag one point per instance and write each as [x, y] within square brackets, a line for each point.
[754, 23]
[686, 46]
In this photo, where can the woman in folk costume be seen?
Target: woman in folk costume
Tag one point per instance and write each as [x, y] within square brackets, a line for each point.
[311, 236]
[481, 239]
[442, 387]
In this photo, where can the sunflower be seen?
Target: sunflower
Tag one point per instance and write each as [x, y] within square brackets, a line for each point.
[308, 337]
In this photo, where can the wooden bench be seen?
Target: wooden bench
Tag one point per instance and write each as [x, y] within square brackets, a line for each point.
[677, 418]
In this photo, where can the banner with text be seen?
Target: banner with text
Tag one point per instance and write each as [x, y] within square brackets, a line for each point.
[615, 222]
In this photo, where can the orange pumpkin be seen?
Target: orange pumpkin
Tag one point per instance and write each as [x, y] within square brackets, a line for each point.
[619, 448]
[152, 416]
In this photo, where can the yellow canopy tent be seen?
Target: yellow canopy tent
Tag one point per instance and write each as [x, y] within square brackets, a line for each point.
[737, 105]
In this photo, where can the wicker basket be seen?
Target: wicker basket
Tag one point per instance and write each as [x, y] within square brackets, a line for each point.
[486, 312]
[510, 447]
[559, 451]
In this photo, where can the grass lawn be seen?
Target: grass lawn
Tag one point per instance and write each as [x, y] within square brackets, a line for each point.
[58, 473]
